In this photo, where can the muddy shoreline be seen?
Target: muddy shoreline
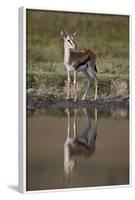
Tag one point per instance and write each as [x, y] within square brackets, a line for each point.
[34, 102]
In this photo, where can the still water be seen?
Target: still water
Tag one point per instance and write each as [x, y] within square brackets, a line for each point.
[77, 148]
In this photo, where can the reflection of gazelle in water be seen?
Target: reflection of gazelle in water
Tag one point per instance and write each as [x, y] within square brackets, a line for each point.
[82, 144]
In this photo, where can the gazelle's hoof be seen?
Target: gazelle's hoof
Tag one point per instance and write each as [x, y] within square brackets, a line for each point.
[95, 98]
[75, 99]
[83, 98]
[67, 110]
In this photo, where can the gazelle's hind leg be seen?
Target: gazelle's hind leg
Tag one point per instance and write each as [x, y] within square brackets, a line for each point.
[91, 76]
[88, 85]
[95, 89]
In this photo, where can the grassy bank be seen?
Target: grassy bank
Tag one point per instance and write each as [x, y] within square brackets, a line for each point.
[106, 35]
[55, 83]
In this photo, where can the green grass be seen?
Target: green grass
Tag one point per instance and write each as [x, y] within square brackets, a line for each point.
[106, 35]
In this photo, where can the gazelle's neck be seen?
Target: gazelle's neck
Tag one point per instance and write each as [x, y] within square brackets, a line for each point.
[67, 55]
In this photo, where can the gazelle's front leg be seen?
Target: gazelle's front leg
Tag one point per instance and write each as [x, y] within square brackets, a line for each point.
[75, 85]
[75, 123]
[68, 123]
[68, 84]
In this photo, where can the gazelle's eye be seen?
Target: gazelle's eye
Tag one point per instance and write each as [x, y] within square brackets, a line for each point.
[68, 40]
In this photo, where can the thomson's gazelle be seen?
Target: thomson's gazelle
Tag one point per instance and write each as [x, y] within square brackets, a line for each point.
[78, 61]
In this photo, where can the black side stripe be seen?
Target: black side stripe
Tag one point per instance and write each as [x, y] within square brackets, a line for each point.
[83, 63]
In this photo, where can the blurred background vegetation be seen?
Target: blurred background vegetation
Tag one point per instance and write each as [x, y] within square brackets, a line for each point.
[106, 35]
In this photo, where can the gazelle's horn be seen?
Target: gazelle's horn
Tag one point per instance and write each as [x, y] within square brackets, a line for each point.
[66, 32]
[70, 34]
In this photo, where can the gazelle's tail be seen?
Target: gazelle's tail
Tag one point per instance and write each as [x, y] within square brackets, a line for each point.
[95, 67]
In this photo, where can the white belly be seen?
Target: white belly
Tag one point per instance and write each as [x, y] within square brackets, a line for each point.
[70, 67]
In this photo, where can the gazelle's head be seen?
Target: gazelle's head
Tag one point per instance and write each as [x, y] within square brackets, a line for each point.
[68, 39]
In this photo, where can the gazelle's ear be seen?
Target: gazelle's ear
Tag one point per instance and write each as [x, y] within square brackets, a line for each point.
[74, 34]
[62, 34]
